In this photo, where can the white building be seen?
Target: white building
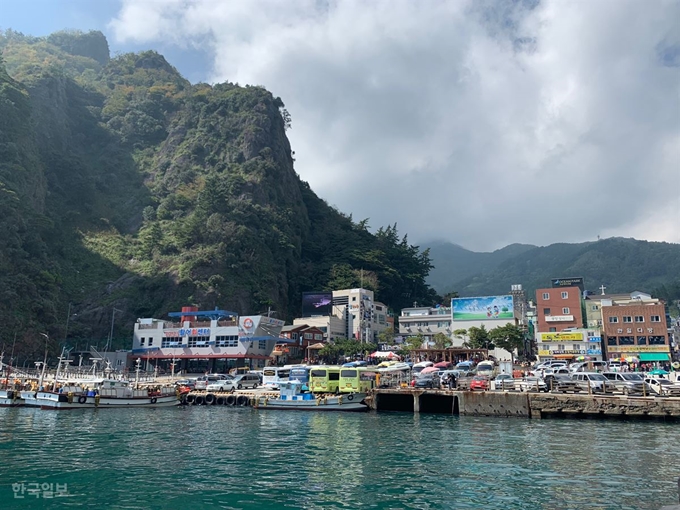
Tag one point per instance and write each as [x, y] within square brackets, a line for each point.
[206, 340]
[570, 344]
[426, 321]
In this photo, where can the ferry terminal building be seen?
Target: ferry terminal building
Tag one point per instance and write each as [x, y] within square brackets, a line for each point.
[212, 341]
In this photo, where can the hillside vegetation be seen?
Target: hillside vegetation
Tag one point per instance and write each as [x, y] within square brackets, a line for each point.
[123, 186]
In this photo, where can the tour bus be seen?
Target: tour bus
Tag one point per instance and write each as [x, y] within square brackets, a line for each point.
[298, 373]
[272, 377]
[324, 379]
[356, 380]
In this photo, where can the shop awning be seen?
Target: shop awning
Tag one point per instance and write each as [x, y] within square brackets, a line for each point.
[564, 356]
[654, 356]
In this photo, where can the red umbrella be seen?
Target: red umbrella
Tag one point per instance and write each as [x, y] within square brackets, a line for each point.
[427, 370]
[443, 364]
[392, 355]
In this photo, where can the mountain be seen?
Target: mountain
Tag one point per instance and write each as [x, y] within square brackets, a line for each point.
[622, 265]
[125, 187]
[453, 263]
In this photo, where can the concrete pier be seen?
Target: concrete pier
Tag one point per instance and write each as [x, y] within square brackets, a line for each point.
[521, 404]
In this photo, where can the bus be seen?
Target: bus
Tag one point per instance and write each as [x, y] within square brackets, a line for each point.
[298, 373]
[272, 377]
[324, 379]
[356, 380]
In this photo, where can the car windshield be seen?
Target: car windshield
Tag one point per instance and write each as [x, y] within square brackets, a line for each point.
[597, 377]
[561, 377]
[663, 382]
[632, 377]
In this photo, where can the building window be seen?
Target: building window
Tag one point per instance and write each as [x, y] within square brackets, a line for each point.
[560, 347]
[642, 340]
[150, 341]
[226, 341]
[199, 341]
[553, 330]
[171, 342]
[575, 347]
[627, 318]
[354, 298]
[611, 340]
[626, 340]
[141, 342]
[565, 311]
[639, 318]
[591, 333]
[565, 295]
[594, 307]
[613, 320]
[546, 311]
[546, 296]
[262, 345]
[657, 340]
[655, 318]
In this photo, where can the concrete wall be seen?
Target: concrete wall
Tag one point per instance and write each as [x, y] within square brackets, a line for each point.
[486, 403]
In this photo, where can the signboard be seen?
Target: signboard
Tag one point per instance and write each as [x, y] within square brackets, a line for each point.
[568, 282]
[317, 304]
[582, 352]
[559, 337]
[639, 348]
[559, 318]
[482, 308]
[194, 332]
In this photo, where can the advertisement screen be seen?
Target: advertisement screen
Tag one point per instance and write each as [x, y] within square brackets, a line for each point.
[482, 308]
[317, 303]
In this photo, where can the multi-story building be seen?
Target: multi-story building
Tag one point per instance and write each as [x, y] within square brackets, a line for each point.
[199, 341]
[636, 328]
[572, 345]
[558, 308]
[425, 320]
[300, 336]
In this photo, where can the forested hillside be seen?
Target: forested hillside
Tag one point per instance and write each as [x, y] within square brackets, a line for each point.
[125, 187]
[622, 265]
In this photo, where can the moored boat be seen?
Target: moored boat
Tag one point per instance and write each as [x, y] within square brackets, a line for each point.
[106, 393]
[293, 398]
[10, 398]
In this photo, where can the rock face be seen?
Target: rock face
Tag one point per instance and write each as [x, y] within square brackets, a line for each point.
[122, 185]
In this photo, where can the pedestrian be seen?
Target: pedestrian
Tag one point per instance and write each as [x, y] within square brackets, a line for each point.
[452, 381]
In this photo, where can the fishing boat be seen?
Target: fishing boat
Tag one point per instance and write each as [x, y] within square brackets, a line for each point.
[10, 398]
[293, 398]
[104, 394]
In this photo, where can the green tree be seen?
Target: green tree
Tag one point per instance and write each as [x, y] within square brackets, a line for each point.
[441, 341]
[386, 336]
[508, 337]
[479, 338]
[462, 334]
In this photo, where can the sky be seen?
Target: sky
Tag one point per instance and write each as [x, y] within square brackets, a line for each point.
[480, 122]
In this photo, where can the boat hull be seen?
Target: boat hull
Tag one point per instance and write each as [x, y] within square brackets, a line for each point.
[52, 401]
[10, 398]
[350, 403]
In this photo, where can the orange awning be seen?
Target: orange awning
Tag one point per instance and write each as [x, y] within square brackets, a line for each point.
[564, 356]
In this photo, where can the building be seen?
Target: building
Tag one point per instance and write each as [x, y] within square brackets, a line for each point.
[364, 317]
[425, 320]
[571, 345]
[636, 327]
[206, 341]
[300, 336]
[559, 309]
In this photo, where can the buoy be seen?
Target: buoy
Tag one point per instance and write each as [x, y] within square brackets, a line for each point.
[241, 400]
[350, 397]
[209, 399]
[190, 398]
[231, 400]
[82, 399]
[220, 401]
[154, 400]
[200, 400]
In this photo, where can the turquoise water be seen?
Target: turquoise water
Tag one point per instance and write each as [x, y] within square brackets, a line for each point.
[240, 458]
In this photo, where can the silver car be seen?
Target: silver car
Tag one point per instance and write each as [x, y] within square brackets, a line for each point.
[593, 382]
[532, 384]
[628, 383]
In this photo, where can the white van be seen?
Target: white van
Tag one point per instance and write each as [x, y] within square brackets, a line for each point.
[485, 368]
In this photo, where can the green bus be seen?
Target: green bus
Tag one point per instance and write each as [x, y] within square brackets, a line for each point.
[356, 380]
[324, 380]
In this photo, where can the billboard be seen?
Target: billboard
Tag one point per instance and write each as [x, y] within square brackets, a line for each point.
[316, 304]
[482, 308]
[568, 282]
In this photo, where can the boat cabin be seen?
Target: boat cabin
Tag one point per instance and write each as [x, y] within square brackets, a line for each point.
[292, 390]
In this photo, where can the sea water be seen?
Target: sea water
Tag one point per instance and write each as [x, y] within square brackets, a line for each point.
[241, 458]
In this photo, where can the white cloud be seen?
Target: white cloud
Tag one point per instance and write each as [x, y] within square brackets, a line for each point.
[482, 123]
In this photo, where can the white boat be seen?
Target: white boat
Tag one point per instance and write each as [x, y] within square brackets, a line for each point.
[398, 367]
[104, 394]
[10, 398]
[294, 399]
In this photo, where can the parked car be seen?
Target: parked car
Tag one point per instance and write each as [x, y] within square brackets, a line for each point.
[187, 383]
[503, 382]
[480, 382]
[628, 383]
[221, 385]
[663, 387]
[589, 366]
[562, 383]
[203, 381]
[239, 382]
[430, 380]
[531, 383]
[591, 381]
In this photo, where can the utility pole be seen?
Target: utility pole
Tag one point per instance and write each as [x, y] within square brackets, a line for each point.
[110, 340]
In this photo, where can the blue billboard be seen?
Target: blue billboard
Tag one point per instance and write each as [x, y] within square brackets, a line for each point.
[482, 308]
